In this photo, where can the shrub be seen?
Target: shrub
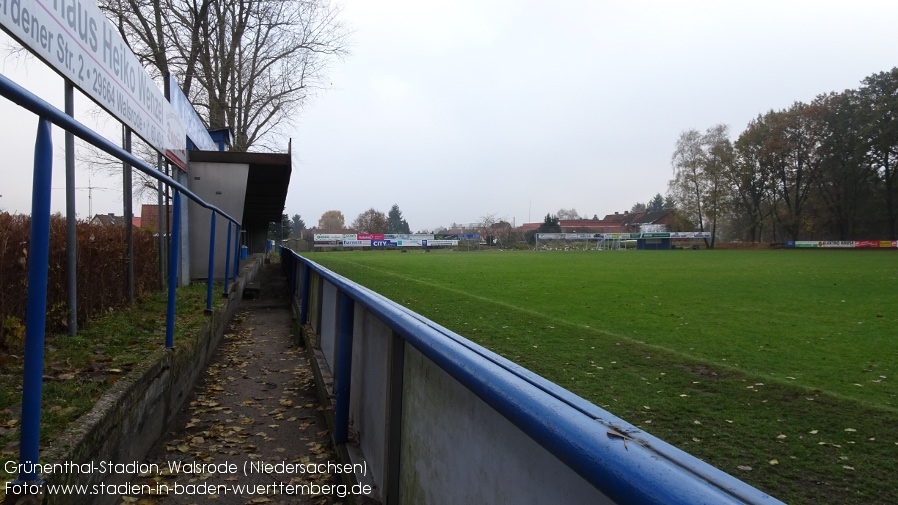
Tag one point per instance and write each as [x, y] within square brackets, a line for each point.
[101, 270]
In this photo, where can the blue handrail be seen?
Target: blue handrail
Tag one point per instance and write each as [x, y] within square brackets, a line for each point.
[27, 100]
[39, 253]
[577, 432]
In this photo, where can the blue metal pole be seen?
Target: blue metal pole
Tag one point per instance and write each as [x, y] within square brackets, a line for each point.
[173, 271]
[227, 261]
[305, 290]
[211, 265]
[35, 319]
[237, 253]
[71, 239]
[343, 376]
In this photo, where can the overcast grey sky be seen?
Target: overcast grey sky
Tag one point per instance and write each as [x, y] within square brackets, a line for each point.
[459, 109]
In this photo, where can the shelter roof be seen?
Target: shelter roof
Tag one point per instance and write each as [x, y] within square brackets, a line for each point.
[266, 184]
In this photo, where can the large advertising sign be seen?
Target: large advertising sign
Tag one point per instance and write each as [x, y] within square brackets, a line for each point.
[379, 240]
[193, 125]
[408, 236]
[843, 244]
[589, 236]
[74, 37]
[325, 237]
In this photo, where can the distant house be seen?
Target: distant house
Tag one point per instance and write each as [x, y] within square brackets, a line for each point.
[461, 230]
[149, 217]
[589, 226]
[633, 222]
[108, 220]
[626, 222]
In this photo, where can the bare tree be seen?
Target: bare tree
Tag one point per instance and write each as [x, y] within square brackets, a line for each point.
[568, 214]
[698, 187]
[247, 64]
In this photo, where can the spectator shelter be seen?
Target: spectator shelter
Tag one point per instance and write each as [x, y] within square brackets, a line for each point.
[251, 185]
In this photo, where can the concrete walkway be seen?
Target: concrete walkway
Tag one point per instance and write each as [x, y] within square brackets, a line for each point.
[253, 425]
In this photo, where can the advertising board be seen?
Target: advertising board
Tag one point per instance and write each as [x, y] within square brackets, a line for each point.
[193, 125]
[76, 39]
[408, 236]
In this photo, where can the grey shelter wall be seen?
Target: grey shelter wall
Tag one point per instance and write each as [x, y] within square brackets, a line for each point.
[223, 185]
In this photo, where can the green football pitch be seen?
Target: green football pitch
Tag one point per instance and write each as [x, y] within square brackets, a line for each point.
[775, 366]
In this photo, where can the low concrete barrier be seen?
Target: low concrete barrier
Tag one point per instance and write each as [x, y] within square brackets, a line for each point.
[438, 419]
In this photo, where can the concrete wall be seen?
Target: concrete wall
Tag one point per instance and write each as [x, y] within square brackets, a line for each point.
[447, 435]
[328, 330]
[450, 436]
[224, 186]
[369, 399]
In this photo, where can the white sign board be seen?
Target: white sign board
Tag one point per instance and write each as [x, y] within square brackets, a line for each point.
[74, 37]
[322, 237]
[194, 126]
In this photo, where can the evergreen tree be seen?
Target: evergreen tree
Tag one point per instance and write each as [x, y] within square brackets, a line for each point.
[297, 225]
[395, 221]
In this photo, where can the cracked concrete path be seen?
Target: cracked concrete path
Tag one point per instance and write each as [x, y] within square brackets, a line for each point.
[253, 424]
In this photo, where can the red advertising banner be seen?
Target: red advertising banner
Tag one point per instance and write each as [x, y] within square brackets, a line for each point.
[370, 236]
[877, 244]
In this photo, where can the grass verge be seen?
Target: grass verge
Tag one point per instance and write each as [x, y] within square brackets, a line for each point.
[79, 369]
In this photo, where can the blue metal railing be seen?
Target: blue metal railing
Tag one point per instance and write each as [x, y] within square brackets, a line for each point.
[577, 432]
[39, 252]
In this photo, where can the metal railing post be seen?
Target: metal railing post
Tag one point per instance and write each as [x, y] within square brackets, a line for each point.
[173, 271]
[35, 320]
[71, 238]
[305, 288]
[343, 378]
[127, 197]
[227, 261]
[237, 253]
[211, 264]
[162, 225]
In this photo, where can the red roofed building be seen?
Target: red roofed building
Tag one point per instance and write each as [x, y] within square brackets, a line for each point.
[626, 222]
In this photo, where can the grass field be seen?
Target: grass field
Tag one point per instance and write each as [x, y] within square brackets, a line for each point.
[778, 367]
